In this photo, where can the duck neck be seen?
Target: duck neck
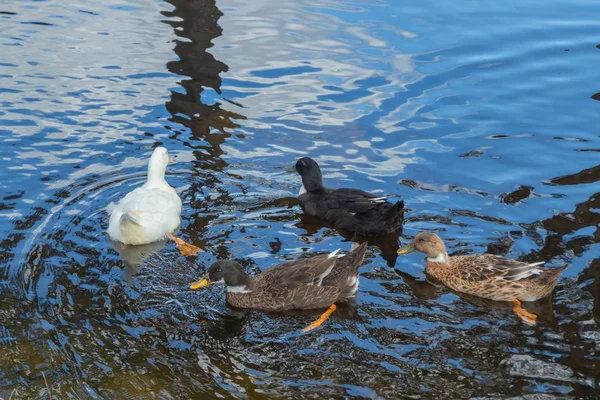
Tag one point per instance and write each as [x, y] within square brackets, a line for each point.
[240, 284]
[156, 173]
[441, 257]
[437, 265]
[312, 183]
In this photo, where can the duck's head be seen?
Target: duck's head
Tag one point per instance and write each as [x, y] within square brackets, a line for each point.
[228, 272]
[158, 164]
[309, 170]
[428, 243]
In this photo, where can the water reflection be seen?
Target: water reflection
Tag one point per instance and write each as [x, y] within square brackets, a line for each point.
[566, 223]
[388, 244]
[590, 279]
[195, 23]
[134, 256]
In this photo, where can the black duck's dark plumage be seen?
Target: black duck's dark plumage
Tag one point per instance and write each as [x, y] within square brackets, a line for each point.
[353, 210]
[309, 283]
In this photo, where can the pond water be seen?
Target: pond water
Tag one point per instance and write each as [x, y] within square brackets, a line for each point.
[482, 116]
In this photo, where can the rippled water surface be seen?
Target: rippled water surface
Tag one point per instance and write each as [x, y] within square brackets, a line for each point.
[483, 116]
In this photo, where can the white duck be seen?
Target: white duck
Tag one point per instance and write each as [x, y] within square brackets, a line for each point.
[149, 213]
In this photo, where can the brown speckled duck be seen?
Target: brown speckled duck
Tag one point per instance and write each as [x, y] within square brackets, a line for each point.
[486, 275]
[309, 283]
[353, 210]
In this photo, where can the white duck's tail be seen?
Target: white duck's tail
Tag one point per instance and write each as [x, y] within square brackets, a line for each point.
[131, 230]
[110, 208]
[128, 218]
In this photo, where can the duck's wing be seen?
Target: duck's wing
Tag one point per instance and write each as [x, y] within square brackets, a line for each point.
[301, 298]
[149, 208]
[292, 275]
[354, 200]
[487, 266]
[144, 199]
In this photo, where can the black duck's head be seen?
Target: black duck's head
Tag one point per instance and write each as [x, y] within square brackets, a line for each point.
[228, 272]
[309, 170]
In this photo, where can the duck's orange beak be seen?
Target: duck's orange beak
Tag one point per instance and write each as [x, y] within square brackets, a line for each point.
[205, 281]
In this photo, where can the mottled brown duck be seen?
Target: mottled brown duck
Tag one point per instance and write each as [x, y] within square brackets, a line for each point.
[353, 210]
[486, 275]
[309, 283]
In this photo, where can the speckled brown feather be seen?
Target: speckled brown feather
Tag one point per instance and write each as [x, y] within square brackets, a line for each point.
[493, 277]
[295, 285]
[485, 275]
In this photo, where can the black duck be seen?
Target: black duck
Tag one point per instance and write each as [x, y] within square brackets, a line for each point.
[353, 210]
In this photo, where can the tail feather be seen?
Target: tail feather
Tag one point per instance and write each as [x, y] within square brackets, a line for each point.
[378, 221]
[552, 274]
[128, 218]
[357, 255]
[110, 208]
[346, 277]
[396, 210]
[334, 254]
[130, 228]
[347, 265]
[395, 215]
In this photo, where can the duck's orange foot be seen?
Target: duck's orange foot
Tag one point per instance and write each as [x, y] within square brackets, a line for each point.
[321, 319]
[525, 315]
[184, 247]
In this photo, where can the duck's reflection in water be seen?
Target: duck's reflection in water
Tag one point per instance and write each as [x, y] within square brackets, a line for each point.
[134, 256]
[388, 244]
[237, 320]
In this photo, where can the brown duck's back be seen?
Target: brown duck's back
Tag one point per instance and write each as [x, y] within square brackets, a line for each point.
[465, 274]
[305, 297]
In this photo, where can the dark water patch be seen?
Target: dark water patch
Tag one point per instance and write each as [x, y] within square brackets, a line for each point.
[472, 154]
[88, 12]
[522, 193]
[37, 23]
[444, 188]
[573, 139]
[588, 175]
